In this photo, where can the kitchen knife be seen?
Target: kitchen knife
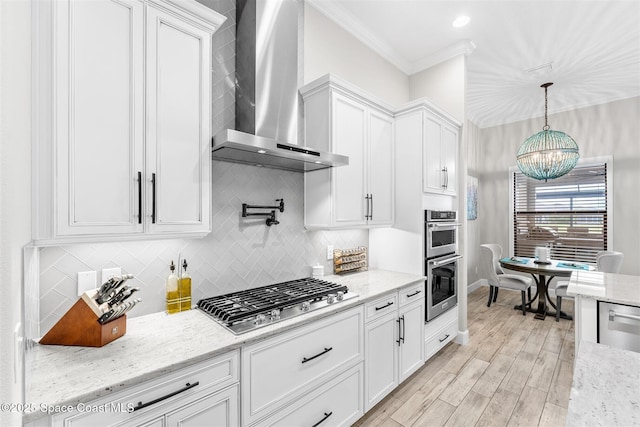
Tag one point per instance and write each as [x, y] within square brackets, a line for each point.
[117, 297]
[129, 293]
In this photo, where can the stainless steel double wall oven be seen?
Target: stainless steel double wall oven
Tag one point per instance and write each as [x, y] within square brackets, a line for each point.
[441, 261]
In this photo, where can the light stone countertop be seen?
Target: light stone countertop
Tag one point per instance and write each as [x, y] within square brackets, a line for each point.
[606, 387]
[159, 343]
[616, 288]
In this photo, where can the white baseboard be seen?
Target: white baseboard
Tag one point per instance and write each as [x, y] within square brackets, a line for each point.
[475, 285]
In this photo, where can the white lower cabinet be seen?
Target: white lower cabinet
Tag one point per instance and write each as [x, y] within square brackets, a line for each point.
[440, 331]
[338, 402]
[203, 394]
[291, 367]
[394, 333]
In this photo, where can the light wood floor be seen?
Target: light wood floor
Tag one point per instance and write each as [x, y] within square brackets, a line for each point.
[515, 371]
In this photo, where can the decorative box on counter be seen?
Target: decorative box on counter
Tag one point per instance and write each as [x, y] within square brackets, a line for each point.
[97, 318]
[349, 260]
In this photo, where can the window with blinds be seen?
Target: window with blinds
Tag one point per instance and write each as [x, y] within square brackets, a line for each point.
[567, 214]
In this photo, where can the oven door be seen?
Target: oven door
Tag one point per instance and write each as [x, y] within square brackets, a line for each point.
[441, 285]
[441, 238]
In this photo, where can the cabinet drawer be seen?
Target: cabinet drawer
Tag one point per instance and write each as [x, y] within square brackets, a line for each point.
[337, 403]
[441, 338]
[282, 368]
[411, 293]
[381, 306]
[115, 409]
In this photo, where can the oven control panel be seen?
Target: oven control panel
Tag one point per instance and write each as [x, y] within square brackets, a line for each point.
[437, 216]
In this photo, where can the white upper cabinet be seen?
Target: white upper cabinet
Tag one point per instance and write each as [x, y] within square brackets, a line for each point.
[179, 124]
[122, 146]
[440, 153]
[343, 119]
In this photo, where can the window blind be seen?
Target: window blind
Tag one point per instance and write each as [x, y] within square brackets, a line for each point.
[567, 214]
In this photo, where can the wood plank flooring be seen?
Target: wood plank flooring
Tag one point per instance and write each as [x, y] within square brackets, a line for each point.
[515, 371]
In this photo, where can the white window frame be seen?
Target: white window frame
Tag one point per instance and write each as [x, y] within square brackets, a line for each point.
[608, 160]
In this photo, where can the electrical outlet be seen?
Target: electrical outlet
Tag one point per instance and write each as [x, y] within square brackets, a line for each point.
[86, 281]
[329, 252]
[109, 272]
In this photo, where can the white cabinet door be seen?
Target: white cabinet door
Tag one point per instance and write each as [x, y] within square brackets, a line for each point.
[348, 187]
[179, 117]
[433, 178]
[440, 151]
[381, 169]
[448, 158]
[98, 116]
[216, 410]
[411, 355]
[381, 358]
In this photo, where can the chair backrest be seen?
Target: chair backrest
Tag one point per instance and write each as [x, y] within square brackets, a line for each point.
[490, 254]
[609, 261]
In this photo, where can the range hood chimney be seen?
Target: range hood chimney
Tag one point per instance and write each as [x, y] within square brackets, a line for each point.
[268, 40]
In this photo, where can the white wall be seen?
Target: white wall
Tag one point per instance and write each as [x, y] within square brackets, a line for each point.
[328, 48]
[606, 129]
[15, 182]
[444, 84]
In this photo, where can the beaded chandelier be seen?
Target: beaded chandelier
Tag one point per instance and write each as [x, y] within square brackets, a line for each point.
[548, 154]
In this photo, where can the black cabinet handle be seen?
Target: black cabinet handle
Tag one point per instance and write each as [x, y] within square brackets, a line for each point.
[384, 306]
[188, 386]
[323, 420]
[153, 198]
[371, 213]
[403, 328]
[413, 294]
[445, 337]
[326, 350]
[139, 197]
[399, 333]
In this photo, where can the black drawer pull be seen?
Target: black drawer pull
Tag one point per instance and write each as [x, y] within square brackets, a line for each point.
[322, 420]
[141, 405]
[384, 306]
[413, 294]
[445, 337]
[326, 350]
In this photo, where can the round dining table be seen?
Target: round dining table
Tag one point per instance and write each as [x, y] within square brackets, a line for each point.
[542, 274]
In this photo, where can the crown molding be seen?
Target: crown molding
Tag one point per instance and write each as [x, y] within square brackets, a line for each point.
[341, 16]
[461, 47]
[338, 14]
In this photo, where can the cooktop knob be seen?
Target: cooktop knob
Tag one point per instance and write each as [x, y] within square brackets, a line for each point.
[260, 319]
[275, 314]
[340, 295]
[306, 305]
[331, 298]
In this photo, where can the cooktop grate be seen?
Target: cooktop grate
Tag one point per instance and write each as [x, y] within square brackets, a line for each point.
[238, 307]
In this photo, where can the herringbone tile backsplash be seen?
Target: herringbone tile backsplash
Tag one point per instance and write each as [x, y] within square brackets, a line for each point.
[240, 253]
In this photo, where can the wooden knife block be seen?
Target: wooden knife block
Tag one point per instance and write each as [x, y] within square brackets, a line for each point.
[79, 326]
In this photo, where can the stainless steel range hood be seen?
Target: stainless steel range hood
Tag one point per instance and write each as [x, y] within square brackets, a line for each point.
[268, 45]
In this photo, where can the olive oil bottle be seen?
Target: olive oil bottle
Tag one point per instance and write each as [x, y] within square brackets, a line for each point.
[185, 288]
[173, 293]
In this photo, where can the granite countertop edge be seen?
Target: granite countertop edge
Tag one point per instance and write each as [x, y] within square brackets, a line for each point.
[59, 373]
[608, 287]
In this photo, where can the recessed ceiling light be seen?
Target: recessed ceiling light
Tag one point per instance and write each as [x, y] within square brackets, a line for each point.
[261, 151]
[461, 21]
[318, 162]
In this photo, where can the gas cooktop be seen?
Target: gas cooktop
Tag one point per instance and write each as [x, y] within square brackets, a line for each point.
[250, 309]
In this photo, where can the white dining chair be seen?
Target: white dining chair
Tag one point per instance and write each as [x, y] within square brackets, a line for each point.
[606, 261]
[490, 270]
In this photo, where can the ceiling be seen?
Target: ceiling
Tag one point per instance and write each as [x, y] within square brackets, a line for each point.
[593, 48]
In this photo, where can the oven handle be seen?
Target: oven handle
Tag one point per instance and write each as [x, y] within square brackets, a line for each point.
[445, 261]
[443, 224]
